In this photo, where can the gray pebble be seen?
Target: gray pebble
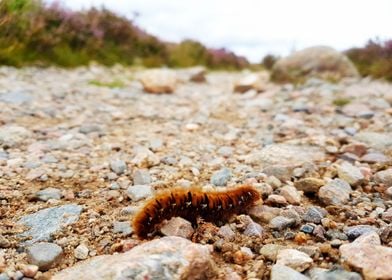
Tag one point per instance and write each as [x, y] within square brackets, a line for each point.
[280, 223]
[4, 276]
[122, 227]
[307, 228]
[221, 177]
[138, 192]
[44, 255]
[141, 177]
[313, 215]
[49, 193]
[118, 166]
[356, 231]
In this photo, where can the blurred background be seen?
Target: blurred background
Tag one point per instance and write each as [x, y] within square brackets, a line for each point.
[218, 34]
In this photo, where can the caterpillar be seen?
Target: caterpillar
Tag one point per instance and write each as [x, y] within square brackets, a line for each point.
[212, 206]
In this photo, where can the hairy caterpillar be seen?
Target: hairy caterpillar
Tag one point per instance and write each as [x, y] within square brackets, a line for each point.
[212, 206]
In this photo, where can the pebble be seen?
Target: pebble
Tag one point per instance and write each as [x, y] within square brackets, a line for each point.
[226, 232]
[141, 177]
[384, 177]
[281, 223]
[118, 166]
[332, 274]
[291, 194]
[308, 228]
[49, 193]
[44, 255]
[81, 252]
[138, 192]
[386, 216]
[374, 157]
[314, 215]
[295, 259]
[145, 158]
[336, 192]
[270, 251]
[350, 173]
[177, 226]
[124, 228]
[274, 199]
[264, 213]
[30, 270]
[353, 232]
[45, 222]
[254, 229]
[282, 172]
[309, 185]
[221, 177]
[282, 272]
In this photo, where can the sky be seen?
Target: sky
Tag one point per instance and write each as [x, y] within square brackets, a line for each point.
[254, 28]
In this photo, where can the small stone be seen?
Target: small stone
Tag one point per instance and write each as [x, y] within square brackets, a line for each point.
[48, 158]
[177, 226]
[350, 173]
[35, 174]
[355, 231]
[4, 242]
[388, 192]
[4, 276]
[124, 228]
[243, 255]
[314, 215]
[45, 255]
[89, 128]
[309, 185]
[357, 149]
[282, 172]
[49, 193]
[384, 177]
[280, 223]
[226, 232]
[138, 192]
[30, 270]
[333, 274]
[270, 251]
[336, 192]
[141, 177]
[307, 228]
[374, 157]
[145, 158]
[282, 272]
[81, 252]
[264, 213]
[295, 259]
[118, 166]
[386, 216]
[275, 199]
[253, 229]
[368, 238]
[158, 81]
[221, 177]
[291, 194]
[336, 234]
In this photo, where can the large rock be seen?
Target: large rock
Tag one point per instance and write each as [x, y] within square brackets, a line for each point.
[320, 62]
[47, 221]
[165, 258]
[158, 81]
[373, 260]
[13, 135]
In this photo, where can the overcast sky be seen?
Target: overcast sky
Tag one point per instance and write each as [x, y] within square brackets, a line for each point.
[254, 28]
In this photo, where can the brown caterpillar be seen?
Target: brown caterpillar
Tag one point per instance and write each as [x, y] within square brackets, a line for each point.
[212, 206]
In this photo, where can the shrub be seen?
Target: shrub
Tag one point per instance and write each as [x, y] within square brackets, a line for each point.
[375, 59]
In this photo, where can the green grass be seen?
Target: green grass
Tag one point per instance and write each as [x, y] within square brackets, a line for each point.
[112, 84]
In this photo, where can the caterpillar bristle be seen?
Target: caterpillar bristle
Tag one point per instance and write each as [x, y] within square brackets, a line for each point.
[212, 206]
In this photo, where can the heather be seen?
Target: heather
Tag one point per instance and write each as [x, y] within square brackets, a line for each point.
[374, 59]
[32, 33]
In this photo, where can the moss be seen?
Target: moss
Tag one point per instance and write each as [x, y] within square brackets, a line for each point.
[341, 101]
[112, 84]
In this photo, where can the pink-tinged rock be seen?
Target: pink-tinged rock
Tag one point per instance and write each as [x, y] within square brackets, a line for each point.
[275, 199]
[295, 259]
[291, 194]
[264, 213]
[165, 258]
[357, 149]
[373, 260]
[177, 226]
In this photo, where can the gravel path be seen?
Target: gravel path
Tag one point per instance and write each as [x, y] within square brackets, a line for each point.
[77, 159]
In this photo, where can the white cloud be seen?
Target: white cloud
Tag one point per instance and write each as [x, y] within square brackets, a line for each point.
[257, 27]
